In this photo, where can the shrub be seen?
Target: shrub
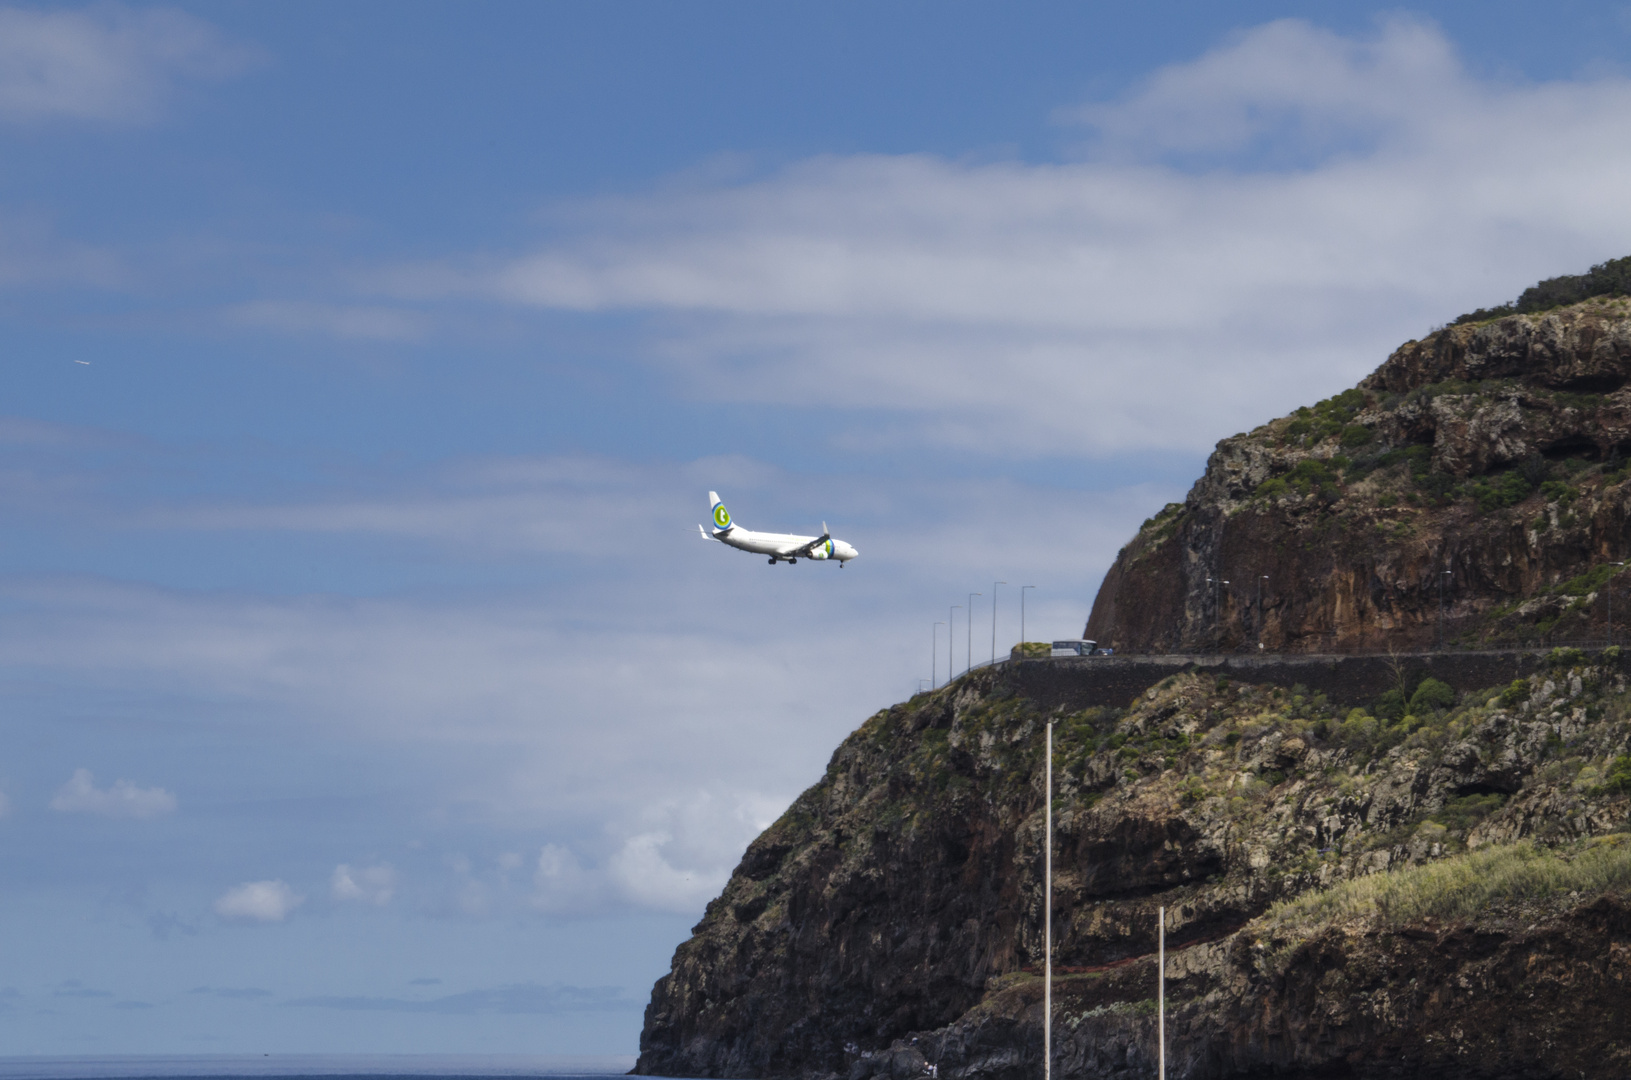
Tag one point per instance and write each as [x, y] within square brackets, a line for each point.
[1565, 657]
[1273, 489]
[1589, 582]
[1359, 730]
[1619, 776]
[1312, 471]
[1430, 695]
[1356, 435]
[1559, 492]
[1516, 693]
[1509, 489]
[1465, 811]
[1391, 705]
[1611, 278]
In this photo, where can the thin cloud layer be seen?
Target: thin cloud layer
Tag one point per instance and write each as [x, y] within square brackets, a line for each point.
[80, 795]
[107, 63]
[1251, 230]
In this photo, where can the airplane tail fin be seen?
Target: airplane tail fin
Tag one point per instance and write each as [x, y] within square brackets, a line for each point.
[722, 516]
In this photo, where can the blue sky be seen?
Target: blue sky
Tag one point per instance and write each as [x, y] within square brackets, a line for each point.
[365, 685]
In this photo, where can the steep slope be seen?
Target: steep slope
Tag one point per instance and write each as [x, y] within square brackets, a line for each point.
[1494, 450]
[893, 914]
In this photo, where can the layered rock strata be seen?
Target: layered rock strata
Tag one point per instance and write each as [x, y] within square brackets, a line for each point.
[1473, 489]
[892, 917]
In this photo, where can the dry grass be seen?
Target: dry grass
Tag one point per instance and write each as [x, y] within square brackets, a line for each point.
[1462, 887]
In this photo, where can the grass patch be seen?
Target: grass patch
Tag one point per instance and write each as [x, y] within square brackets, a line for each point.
[1462, 887]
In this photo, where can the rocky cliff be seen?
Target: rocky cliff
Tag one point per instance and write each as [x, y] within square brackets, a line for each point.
[1433, 882]
[1389, 876]
[1487, 461]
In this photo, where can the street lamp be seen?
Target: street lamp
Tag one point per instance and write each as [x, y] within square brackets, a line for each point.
[1047, 911]
[1217, 610]
[1442, 574]
[1262, 578]
[934, 671]
[951, 642]
[994, 585]
[968, 634]
[1022, 589]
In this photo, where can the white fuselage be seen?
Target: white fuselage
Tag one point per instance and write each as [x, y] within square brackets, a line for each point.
[785, 545]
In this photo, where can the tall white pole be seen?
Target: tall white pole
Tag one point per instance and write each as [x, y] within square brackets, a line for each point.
[1161, 995]
[1047, 920]
[994, 585]
[1022, 589]
[968, 631]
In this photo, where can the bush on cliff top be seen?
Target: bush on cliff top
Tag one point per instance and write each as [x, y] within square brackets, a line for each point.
[1611, 278]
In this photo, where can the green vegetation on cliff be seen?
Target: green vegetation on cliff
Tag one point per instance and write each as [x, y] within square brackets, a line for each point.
[900, 896]
[1487, 464]
[1611, 278]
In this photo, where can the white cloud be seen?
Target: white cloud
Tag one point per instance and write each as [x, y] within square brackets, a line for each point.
[1351, 192]
[107, 63]
[1305, 88]
[368, 884]
[80, 795]
[258, 901]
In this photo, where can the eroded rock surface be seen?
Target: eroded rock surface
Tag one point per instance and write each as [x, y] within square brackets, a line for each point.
[892, 917]
[1496, 451]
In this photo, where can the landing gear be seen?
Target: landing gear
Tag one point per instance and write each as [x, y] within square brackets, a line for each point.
[790, 562]
[773, 560]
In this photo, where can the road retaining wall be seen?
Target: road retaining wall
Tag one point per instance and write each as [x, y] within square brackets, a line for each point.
[1082, 682]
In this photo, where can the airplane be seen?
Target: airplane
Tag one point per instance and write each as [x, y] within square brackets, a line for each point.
[781, 547]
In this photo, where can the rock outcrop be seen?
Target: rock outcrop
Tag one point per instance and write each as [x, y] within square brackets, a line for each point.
[1486, 462]
[891, 918]
[1429, 880]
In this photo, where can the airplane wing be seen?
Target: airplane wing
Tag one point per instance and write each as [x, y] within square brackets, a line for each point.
[804, 550]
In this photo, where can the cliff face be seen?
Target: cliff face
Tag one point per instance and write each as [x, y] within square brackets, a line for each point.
[1328, 909]
[1493, 450]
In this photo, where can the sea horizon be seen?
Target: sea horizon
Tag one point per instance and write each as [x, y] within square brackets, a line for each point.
[197, 1066]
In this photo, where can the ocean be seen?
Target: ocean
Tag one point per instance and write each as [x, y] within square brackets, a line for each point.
[372, 1066]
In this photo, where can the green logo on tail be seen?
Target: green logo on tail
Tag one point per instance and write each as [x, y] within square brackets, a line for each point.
[722, 517]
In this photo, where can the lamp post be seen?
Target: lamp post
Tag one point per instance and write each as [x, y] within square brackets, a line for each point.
[994, 585]
[1217, 611]
[951, 641]
[1047, 914]
[1161, 994]
[1022, 589]
[934, 670]
[1442, 574]
[1261, 578]
[968, 633]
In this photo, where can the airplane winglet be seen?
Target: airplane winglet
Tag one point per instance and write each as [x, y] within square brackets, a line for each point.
[703, 532]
